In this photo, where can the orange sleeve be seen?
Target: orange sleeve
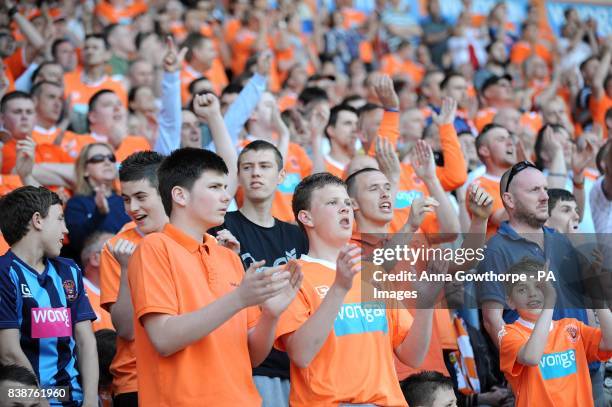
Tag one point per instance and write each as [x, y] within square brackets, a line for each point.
[519, 53]
[305, 162]
[294, 316]
[150, 277]
[16, 62]
[401, 322]
[110, 275]
[453, 174]
[591, 339]
[510, 345]
[389, 127]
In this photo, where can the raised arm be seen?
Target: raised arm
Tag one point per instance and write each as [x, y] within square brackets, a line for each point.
[169, 117]
[242, 108]
[304, 344]
[207, 108]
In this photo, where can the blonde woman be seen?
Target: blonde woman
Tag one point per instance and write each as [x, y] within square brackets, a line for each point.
[95, 206]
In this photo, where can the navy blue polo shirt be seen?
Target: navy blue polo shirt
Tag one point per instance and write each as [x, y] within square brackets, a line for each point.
[507, 247]
[45, 308]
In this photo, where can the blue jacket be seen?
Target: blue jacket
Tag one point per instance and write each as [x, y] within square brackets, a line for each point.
[83, 219]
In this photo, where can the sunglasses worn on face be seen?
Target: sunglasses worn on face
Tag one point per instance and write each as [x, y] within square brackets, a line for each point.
[516, 168]
[98, 158]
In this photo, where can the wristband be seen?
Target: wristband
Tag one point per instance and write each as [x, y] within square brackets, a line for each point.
[578, 185]
[391, 109]
[557, 174]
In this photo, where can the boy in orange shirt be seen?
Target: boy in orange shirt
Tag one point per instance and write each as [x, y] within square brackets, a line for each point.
[138, 177]
[341, 349]
[182, 281]
[546, 361]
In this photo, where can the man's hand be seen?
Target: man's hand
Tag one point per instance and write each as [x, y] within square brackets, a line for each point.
[479, 202]
[25, 158]
[173, 60]
[279, 303]
[447, 114]
[419, 208]
[319, 117]
[206, 106]
[264, 60]
[582, 154]
[227, 239]
[122, 251]
[549, 141]
[258, 287]
[383, 86]
[428, 291]
[422, 160]
[348, 265]
[387, 159]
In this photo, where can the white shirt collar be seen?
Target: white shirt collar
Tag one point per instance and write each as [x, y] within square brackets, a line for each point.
[531, 325]
[322, 262]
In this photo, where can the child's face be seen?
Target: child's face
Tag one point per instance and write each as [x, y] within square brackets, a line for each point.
[564, 217]
[53, 230]
[144, 205]
[208, 199]
[331, 214]
[527, 297]
[444, 397]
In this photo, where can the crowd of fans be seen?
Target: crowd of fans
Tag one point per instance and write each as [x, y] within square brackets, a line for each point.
[285, 130]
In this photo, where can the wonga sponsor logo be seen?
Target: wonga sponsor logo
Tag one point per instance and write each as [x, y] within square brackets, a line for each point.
[555, 365]
[360, 318]
[51, 322]
[403, 199]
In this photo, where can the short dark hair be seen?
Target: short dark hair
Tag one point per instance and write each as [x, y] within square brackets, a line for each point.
[56, 44]
[351, 181]
[18, 206]
[142, 165]
[183, 168]
[96, 96]
[449, 75]
[36, 89]
[16, 94]
[40, 68]
[17, 374]
[557, 194]
[192, 41]
[335, 113]
[233, 87]
[262, 145]
[99, 36]
[419, 389]
[106, 340]
[539, 143]
[368, 107]
[482, 136]
[303, 192]
[312, 94]
[194, 82]
[586, 62]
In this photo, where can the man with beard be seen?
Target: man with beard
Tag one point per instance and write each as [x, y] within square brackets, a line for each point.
[523, 190]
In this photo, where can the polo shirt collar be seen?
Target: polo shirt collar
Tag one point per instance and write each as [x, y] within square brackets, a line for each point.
[508, 231]
[184, 239]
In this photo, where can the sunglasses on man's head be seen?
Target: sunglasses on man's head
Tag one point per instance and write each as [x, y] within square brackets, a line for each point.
[516, 168]
[99, 158]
